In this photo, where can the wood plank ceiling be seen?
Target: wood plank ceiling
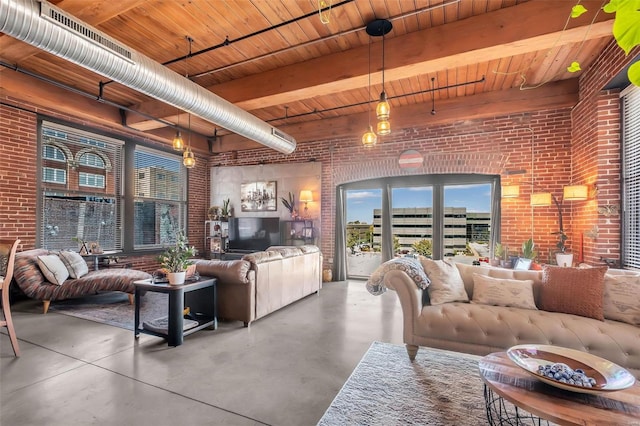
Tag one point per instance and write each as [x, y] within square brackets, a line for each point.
[277, 60]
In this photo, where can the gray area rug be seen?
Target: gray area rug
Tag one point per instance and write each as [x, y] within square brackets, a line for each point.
[386, 388]
[113, 308]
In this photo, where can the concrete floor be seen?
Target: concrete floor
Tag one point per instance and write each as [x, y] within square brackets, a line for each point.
[284, 370]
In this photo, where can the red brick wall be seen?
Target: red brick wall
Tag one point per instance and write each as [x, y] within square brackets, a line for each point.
[596, 157]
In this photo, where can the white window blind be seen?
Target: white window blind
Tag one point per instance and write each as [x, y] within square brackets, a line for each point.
[160, 198]
[77, 202]
[631, 177]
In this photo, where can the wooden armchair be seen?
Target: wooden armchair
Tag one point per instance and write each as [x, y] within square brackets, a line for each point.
[7, 259]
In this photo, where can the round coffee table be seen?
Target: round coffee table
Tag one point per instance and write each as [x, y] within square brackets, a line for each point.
[503, 380]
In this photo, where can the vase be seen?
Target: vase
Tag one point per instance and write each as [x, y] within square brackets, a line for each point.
[177, 278]
[564, 259]
[327, 275]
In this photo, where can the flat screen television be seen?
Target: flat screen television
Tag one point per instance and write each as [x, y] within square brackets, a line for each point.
[253, 233]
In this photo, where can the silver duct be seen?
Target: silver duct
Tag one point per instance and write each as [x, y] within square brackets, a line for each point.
[49, 28]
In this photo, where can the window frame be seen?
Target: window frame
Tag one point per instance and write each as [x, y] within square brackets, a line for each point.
[125, 194]
[630, 178]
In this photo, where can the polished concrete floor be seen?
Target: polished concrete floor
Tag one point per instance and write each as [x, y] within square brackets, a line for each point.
[283, 370]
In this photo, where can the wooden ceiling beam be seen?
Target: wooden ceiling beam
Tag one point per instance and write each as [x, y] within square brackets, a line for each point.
[528, 27]
[562, 94]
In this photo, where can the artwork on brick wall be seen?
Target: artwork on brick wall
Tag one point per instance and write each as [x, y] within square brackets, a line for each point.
[258, 196]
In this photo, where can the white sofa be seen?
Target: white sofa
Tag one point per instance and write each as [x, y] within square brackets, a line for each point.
[482, 329]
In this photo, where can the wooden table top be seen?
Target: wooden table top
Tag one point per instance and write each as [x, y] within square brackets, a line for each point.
[559, 406]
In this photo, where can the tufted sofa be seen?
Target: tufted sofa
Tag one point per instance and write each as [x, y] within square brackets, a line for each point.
[265, 281]
[482, 329]
[32, 282]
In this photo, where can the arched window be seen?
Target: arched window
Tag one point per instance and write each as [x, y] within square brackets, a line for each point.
[91, 159]
[50, 152]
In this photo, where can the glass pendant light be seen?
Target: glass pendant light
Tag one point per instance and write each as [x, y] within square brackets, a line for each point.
[369, 138]
[178, 143]
[188, 159]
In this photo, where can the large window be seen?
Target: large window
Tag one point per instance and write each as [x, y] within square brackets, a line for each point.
[83, 194]
[631, 177]
[432, 215]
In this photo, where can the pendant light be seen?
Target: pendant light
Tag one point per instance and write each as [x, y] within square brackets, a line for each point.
[377, 28]
[369, 139]
[188, 159]
[178, 143]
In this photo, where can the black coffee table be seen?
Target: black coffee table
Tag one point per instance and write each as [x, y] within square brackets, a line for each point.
[201, 298]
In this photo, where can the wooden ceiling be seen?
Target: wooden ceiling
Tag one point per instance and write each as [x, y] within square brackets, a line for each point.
[277, 60]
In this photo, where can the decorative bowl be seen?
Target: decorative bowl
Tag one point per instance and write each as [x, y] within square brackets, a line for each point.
[609, 377]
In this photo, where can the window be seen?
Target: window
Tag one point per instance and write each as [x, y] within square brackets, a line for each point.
[88, 201]
[160, 205]
[50, 152]
[90, 179]
[91, 160]
[433, 215]
[631, 177]
[54, 175]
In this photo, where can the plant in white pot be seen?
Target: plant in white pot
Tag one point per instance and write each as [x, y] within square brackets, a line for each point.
[562, 257]
[175, 259]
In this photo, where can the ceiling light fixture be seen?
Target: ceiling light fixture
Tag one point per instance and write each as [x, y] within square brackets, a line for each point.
[369, 139]
[188, 159]
[377, 28]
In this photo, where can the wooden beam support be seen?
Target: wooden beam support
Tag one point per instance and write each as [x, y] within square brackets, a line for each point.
[527, 27]
[561, 94]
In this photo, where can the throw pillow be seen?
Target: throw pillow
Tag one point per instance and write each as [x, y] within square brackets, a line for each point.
[446, 283]
[75, 264]
[503, 292]
[621, 301]
[53, 269]
[573, 291]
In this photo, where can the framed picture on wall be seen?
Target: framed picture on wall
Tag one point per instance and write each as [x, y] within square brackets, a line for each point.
[258, 196]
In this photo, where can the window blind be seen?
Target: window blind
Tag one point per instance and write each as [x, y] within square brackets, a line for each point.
[631, 177]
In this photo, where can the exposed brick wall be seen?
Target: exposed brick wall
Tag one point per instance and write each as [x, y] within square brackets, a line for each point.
[595, 152]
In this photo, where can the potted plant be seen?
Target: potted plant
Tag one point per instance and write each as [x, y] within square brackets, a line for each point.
[290, 204]
[562, 257]
[529, 251]
[498, 253]
[225, 212]
[175, 259]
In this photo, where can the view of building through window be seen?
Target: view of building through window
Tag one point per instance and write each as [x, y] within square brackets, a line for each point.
[465, 218]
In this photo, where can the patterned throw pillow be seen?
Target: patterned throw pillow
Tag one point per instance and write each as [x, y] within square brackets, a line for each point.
[573, 291]
[53, 269]
[621, 301]
[446, 282]
[75, 264]
[375, 283]
[503, 292]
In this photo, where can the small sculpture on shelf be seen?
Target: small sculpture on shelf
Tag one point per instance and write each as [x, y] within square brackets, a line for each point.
[213, 213]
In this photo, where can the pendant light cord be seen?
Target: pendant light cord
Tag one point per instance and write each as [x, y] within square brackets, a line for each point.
[369, 89]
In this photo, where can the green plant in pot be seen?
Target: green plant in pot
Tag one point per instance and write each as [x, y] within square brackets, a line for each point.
[225, 212]
[563, 258]
[176, 259]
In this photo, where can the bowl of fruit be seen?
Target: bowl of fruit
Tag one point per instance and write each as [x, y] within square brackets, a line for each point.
[570, 369]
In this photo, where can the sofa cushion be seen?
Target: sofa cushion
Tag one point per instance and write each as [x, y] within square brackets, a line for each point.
[503, 292]
[621, 300]
[53, 269]
[75, 264]
[446, 283]
[228, 271]
[262, 256]
[573, 291]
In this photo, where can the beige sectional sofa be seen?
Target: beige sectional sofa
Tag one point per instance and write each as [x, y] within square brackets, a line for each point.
[263, 282]
[481, 329]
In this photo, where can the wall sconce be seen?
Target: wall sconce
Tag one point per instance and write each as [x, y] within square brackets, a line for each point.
[306, 197]
[510, 191]
[540, 199]
[575, 193]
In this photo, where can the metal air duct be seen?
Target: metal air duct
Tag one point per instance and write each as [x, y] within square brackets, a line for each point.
[49, 28]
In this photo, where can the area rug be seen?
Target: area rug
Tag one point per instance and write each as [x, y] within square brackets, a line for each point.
[386, 388]
[113, 308]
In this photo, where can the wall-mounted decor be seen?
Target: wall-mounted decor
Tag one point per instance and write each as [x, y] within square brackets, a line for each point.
[258, 196]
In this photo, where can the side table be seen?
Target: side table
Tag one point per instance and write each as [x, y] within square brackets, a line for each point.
[200, 296]
[505, 381]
